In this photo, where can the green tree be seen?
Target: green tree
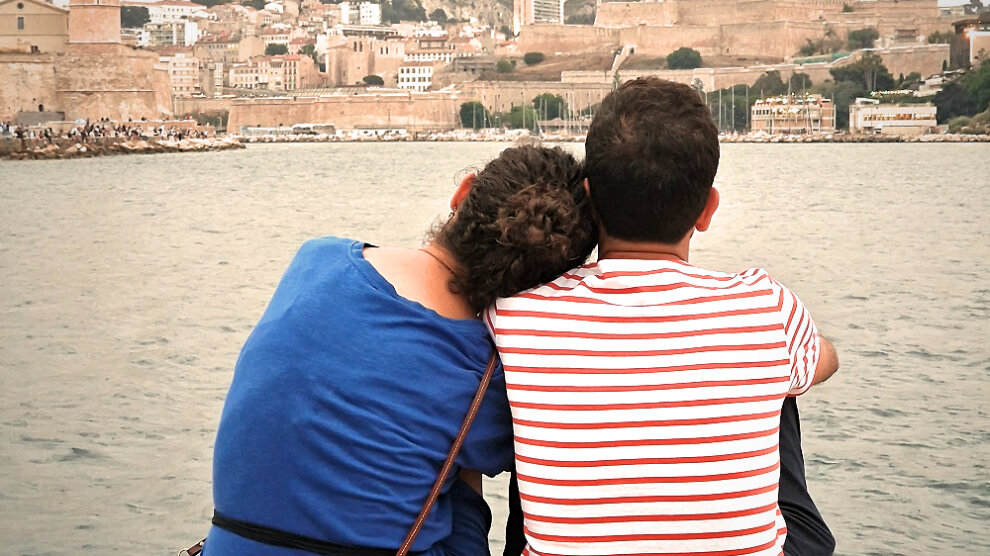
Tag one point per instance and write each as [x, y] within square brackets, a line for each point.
[532, 58]
[978, 85]
[843, 94]
[276, 49]
[869, 72]
[550, 106]
[800, 82]
[475, 115]
[373, 80]
[439, 16]
[505, 65]
[953, 101]
[769, 85]
[684, 58]
[133, 17]
[910, 81]
[862, 38]
[522, 117]
[846, 8]
[256, 4]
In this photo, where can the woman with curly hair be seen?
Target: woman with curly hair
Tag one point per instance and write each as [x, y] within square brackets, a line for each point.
[351, 388]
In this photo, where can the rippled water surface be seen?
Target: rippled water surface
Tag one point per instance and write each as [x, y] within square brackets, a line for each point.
[129, 284]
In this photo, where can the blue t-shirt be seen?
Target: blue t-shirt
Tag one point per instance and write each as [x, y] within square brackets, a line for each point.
[345, 400]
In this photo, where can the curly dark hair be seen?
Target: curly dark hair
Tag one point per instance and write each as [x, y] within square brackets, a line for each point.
[526, 220]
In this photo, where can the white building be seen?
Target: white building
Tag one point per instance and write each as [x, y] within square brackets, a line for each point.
[871, 117]
[167, 11]
[364, 13]
[416, 76]
[528, 12]
[174, 33]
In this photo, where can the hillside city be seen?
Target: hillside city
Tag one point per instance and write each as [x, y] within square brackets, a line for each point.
[397, 69]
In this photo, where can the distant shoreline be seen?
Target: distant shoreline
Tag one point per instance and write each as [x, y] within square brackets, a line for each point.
[516, 138]
[58, 149]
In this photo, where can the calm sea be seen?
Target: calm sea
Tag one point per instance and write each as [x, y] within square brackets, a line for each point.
[129, 284]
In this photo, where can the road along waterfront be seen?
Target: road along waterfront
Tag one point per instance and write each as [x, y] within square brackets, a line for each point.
[130, 283]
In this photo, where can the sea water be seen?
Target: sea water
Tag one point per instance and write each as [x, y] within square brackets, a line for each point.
[129, 284]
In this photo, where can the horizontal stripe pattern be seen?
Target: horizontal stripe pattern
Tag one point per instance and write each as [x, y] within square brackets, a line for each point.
[646, 400]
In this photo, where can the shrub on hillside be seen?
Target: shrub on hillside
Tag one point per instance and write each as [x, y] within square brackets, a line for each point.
[505, 65]
[532, 58]
[684, 58]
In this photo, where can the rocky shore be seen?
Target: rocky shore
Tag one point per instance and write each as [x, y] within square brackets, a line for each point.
[848, 138]
[37, 149]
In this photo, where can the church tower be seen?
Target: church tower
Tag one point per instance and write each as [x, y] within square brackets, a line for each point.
[94, 21]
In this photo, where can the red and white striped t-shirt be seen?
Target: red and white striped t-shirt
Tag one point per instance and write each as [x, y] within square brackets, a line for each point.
[646, 402]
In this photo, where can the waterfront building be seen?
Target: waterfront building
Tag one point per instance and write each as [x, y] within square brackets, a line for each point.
[794, 114]
[870, 116]
[33, 26]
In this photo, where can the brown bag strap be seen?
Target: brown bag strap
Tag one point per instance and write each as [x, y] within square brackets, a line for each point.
[454, 449]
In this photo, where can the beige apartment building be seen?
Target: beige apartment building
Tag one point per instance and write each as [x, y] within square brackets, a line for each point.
[33, 26]
[793, 115]
[183, 73]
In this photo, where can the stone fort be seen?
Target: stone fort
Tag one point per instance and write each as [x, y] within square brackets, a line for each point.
[91, 77]
[742, 28]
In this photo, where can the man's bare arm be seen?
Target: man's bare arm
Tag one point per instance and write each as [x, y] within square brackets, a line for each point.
[828, 362]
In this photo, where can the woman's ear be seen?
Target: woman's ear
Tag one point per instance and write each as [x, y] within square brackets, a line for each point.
[463, 188]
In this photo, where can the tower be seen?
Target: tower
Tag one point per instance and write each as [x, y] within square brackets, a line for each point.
[94, 21]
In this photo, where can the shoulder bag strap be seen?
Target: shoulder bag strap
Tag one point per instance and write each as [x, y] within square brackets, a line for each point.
[454, 449]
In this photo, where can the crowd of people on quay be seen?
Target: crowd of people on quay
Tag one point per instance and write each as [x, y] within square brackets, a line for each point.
[104, 127]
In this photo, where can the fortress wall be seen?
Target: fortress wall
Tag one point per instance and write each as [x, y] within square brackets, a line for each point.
[96, 81]
[415, 112]
[27, 80]
[626, 14]
[549, 38]
[661, 41]
[916, 8]
[775, 38]
[925, 59]
[501, 96]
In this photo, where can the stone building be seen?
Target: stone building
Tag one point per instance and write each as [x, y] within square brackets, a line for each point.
[32, 26]
[350, 59]
[96, 77]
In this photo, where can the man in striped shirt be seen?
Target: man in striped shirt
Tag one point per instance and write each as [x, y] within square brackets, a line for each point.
[646, 393]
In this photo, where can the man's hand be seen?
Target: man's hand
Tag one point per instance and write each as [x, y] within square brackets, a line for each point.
[828, 362]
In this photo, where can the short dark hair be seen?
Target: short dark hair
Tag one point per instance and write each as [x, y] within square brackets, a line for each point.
[651, 156]
[526, 220]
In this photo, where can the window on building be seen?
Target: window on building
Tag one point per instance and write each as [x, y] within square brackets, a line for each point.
[20, 23]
